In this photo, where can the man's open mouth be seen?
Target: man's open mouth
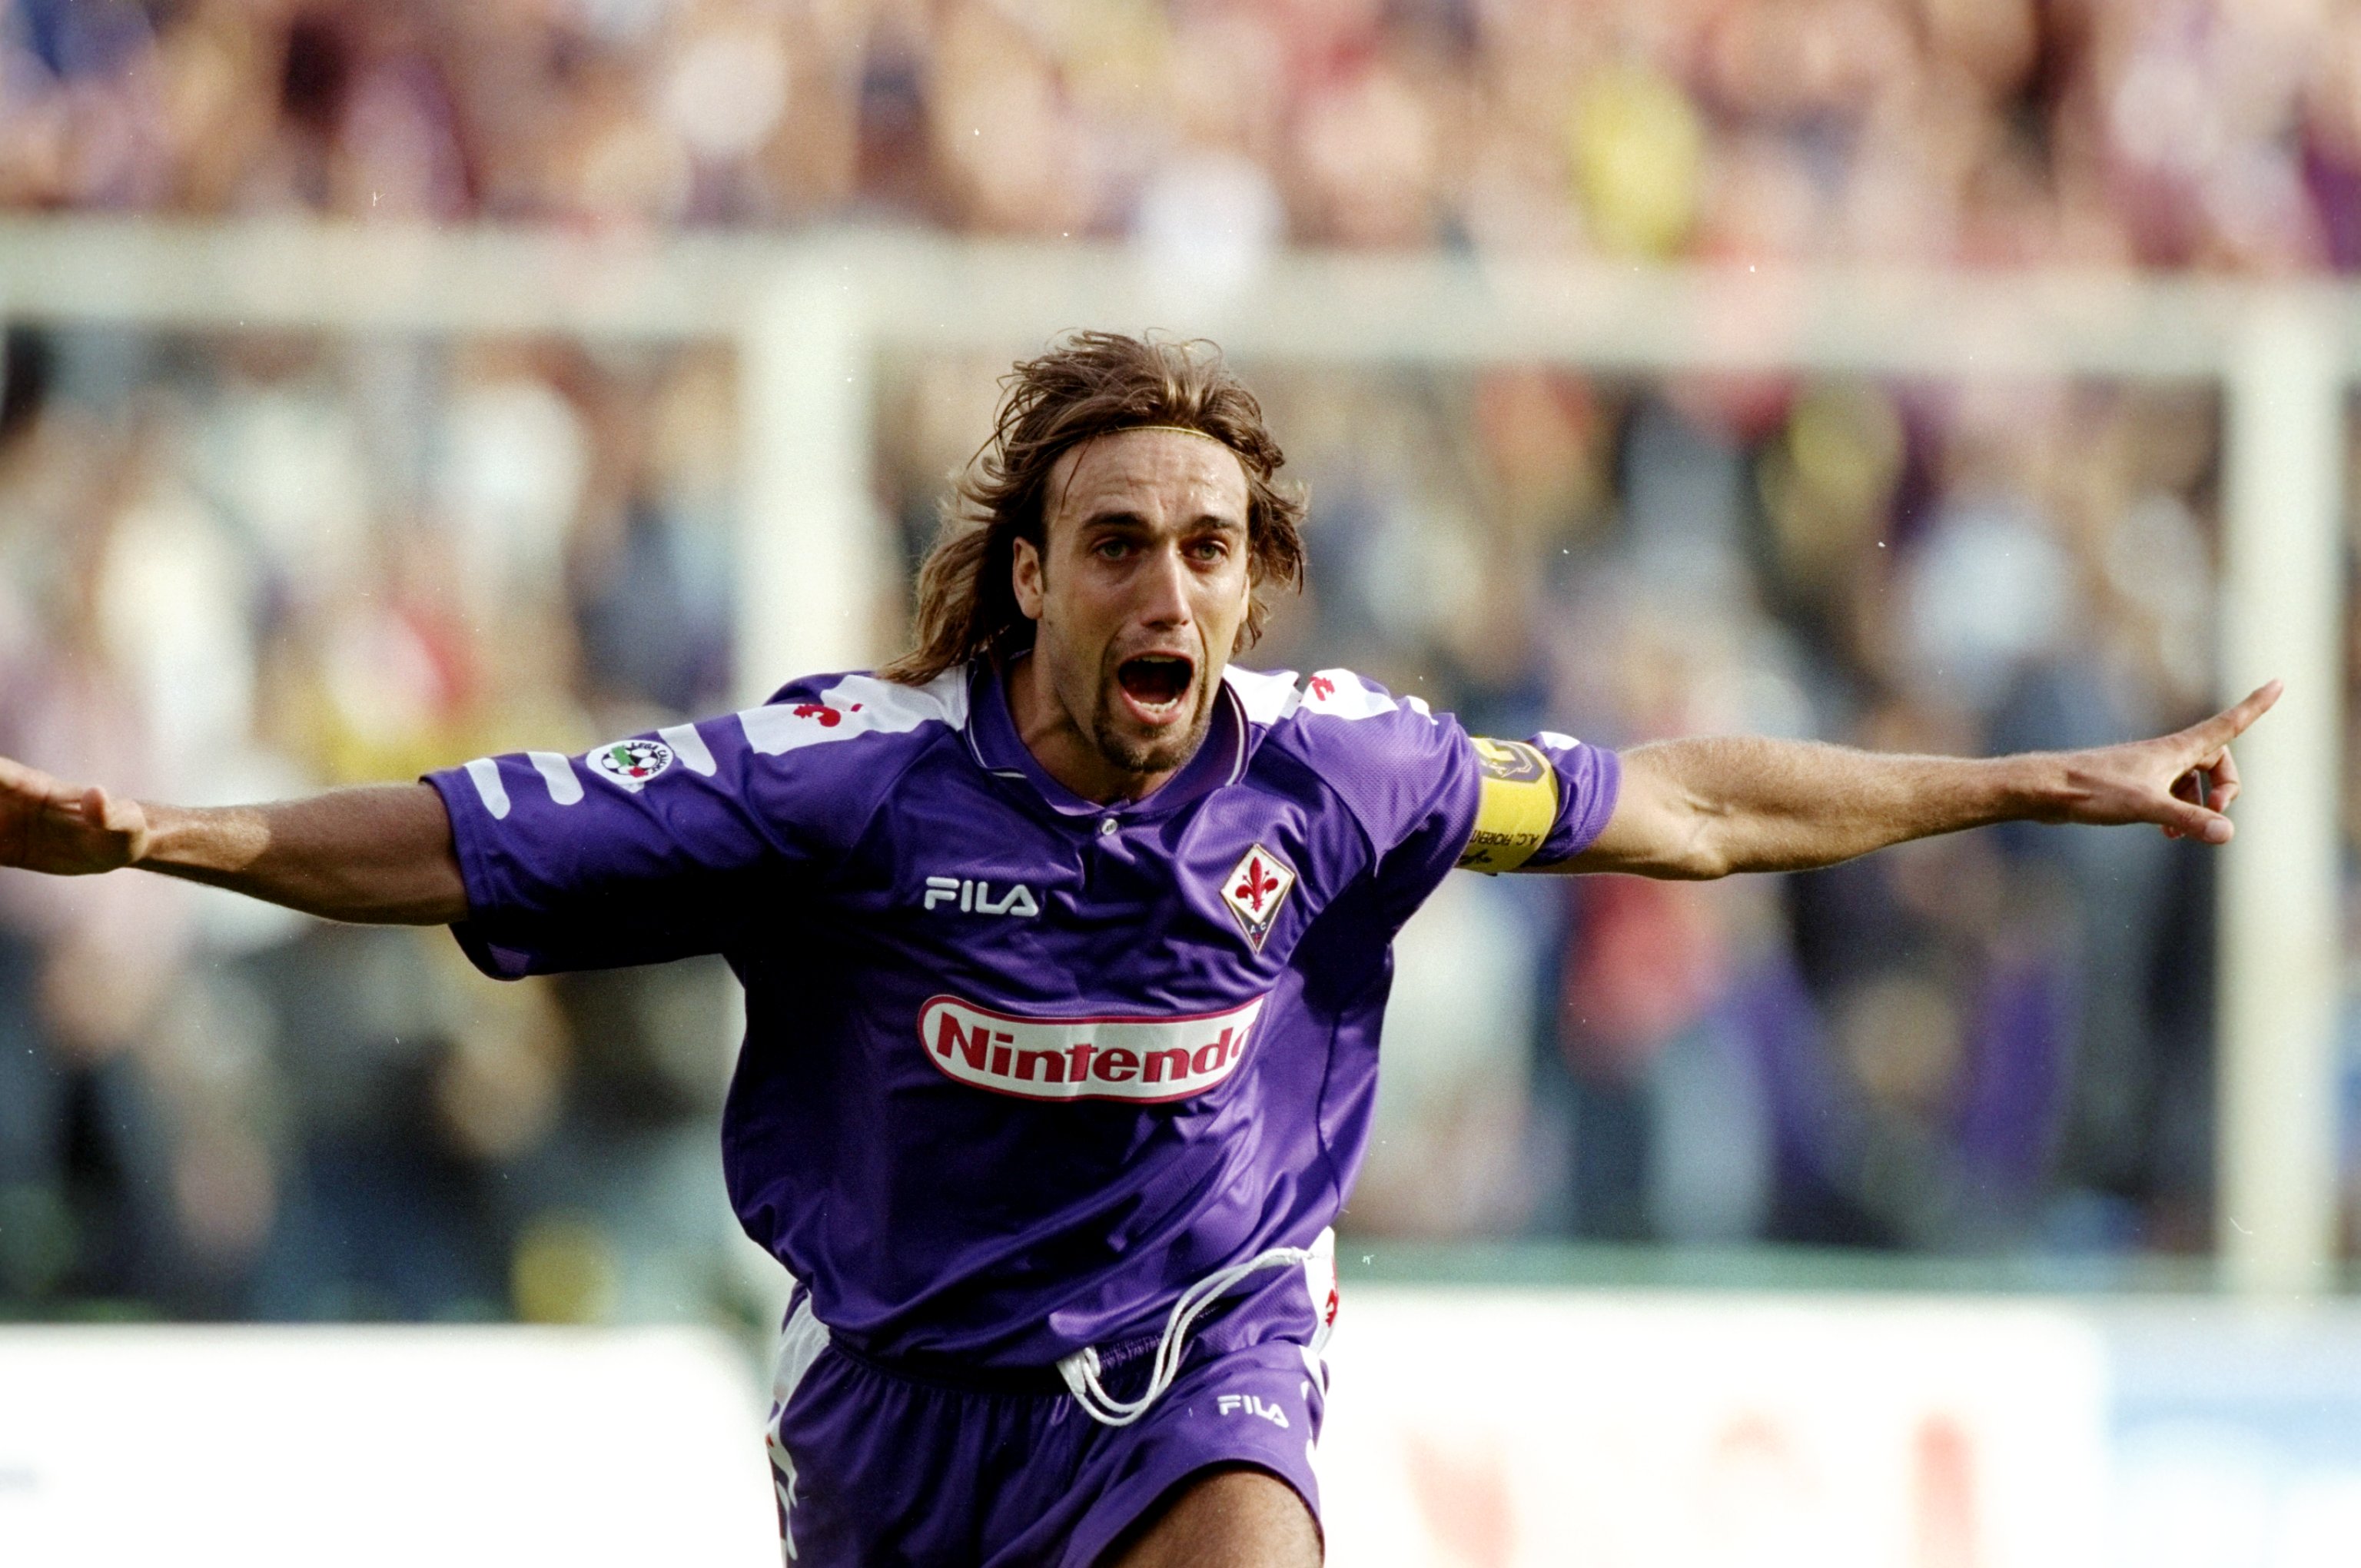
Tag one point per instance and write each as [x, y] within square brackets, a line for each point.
[1155, 682]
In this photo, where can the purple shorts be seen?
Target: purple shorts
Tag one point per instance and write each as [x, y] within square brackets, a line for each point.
[877, 1465]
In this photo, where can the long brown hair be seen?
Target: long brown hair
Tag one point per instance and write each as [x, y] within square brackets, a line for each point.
[1089, 384]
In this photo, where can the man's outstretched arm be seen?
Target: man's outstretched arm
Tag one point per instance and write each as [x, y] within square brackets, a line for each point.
[381, 854]
[1706, 808]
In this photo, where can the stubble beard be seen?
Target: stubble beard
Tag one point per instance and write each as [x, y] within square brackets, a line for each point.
[1143, 758]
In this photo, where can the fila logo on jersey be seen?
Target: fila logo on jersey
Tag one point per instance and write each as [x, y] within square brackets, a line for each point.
[1255, 890]
[1138, 1059]
[1231, 1404]
[975, 897]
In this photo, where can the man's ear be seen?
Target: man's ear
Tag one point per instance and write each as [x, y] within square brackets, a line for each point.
[1025, 576]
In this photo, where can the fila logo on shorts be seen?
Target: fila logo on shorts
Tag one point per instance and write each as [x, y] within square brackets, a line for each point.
[1145, 1060]
[1234, 1404]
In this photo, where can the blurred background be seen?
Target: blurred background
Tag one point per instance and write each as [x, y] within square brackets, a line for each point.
[301, 485]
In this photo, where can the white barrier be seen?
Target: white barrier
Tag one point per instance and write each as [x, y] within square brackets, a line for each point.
[295, 1448]
[1488, 1428]
[1503, 1429]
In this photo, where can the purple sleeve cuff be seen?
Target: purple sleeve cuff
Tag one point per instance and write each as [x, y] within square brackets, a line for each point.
[461, 805]
[1588, 778]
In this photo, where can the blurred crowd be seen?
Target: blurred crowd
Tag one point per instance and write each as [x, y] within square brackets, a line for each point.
[1996, 1040]
[249, 564]
[243, 568]
[2165, 132]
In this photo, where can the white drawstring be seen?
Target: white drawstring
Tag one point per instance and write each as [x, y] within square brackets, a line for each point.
[1080, 1369]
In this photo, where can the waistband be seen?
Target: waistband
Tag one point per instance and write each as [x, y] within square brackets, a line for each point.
[966, 1376]
[1207, 1320]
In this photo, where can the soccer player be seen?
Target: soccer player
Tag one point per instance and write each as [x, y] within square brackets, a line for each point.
[1065, 943]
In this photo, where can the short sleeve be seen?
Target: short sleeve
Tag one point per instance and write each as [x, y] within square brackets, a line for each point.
[637, 851]
[1588, 779]
[667, 844]
[1431, 796]
[1407, 775]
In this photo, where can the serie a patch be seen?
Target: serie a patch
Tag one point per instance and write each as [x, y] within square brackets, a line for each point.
[631, 763]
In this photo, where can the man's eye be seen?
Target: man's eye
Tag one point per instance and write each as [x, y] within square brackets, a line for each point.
[1210, 549]
[1112, 549]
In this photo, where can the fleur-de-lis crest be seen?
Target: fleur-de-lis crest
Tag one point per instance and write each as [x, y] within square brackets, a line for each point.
[1255, 890]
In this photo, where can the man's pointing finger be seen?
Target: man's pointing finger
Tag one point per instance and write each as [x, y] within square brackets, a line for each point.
[2257, 703]
[15, 778]
[2226, 726]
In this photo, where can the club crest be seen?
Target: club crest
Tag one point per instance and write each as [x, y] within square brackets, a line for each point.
[1255, 892]
[631, 763]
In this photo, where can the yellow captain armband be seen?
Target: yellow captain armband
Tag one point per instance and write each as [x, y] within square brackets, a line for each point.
[1518, 809]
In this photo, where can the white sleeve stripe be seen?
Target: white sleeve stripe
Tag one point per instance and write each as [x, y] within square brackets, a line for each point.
[1341, 694]
[688, 746]
[1556, 740]
[557, 772]
[485, 775]
[1268, 696]
[856, 705]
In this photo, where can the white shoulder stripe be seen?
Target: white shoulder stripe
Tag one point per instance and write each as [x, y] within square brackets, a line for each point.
[857, 705]
[485, 775]
[688, 746]
[1268, 696]
[1557, 740]
[1340, 694]
[557, 772]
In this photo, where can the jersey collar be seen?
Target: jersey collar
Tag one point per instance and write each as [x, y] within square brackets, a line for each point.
[993, 739]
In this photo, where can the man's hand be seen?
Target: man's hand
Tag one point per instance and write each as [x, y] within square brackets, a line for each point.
[1709, 807]
[2182, 783]
[381, 854]
[48, 825]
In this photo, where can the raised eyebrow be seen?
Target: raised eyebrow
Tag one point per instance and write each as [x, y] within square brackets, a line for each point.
[1119, 520]
[1206, 524]
[1123, 520]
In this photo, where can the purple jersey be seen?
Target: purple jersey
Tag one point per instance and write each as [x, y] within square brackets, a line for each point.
[1018, 1067]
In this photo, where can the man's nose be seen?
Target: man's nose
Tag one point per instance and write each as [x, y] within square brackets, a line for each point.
[1164, 589]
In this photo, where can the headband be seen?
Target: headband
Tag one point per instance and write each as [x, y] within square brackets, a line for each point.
[1177, 430]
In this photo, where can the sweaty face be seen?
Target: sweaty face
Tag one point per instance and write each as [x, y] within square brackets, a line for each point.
[1138, 593]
